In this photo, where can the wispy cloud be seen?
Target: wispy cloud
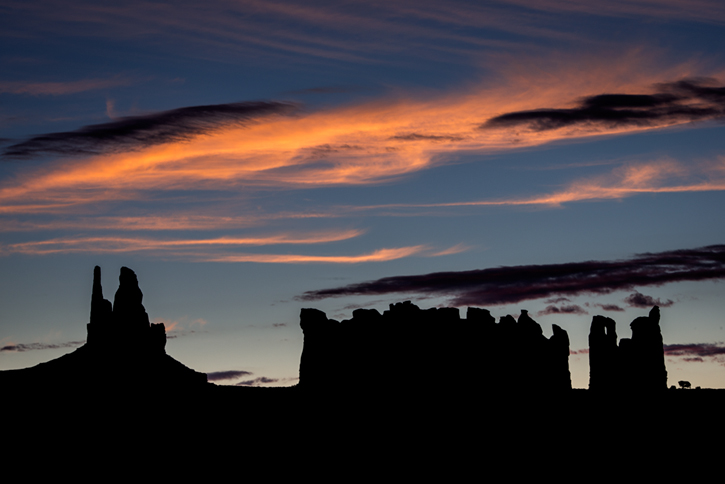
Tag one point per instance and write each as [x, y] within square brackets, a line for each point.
[135, 132]
[259, 381]
[611, 307]
[220, 148]
[127, 244]
[379, 255]
[697, 352]
[62, 88]
[327, 90]
[20, 347]
[505, 285]
[639, 300]
[221, 156]
[565, 309]
[181, 327]
[672, 103]
[663, 176]
[356, 31]
[161, 221]
[226, 375]
[199, 249]
[707, 11]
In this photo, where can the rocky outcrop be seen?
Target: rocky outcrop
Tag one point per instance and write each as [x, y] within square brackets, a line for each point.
[408, 347]
[122, 350]
[636, 364]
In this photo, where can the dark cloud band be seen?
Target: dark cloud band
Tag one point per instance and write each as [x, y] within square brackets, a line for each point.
[256, 382]
[676, 102]
[506, 285]
[567, 309]
[226, 375]
[40, 346]
[697, 350]
[136, 132]
[638, 300]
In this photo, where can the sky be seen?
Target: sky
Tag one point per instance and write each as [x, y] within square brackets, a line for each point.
[251, 158]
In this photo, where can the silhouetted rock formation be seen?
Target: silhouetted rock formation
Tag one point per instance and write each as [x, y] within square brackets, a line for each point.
[122, 349]
[125, 324]
[636, 364]
[407, 348]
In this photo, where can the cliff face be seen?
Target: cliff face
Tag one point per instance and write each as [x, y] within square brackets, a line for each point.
[636, 364]
[122, 350]
[411, 347]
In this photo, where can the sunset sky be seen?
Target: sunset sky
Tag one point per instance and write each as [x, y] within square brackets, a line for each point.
[250, 158]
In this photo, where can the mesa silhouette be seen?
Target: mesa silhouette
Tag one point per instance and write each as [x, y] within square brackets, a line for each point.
[407, 348]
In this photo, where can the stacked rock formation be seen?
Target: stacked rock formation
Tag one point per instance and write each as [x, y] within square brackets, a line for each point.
[408, 347]
[636, 364]
[125, 324]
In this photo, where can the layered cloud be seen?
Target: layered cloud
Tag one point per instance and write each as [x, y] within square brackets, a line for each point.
[506, 285]
[217, 160]
[222, 148]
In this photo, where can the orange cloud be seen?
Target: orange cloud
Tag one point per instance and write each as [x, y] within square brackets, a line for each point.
[351, 145]
[198, 249]
[181, 327]
[666, 176]
[376, 256]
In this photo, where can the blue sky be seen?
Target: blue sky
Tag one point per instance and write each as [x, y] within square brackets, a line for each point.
[239, 156]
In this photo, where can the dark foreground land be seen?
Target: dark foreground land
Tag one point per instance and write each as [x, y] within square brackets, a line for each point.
[263, 434]
[121, 405]
[264, 409]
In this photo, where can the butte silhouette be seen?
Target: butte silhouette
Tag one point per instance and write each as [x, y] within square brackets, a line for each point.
[413, 347]
[122, 350]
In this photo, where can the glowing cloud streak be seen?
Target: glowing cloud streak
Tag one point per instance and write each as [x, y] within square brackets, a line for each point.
[126, 244]
[353, 145]
[625, 181]
[380, 255]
